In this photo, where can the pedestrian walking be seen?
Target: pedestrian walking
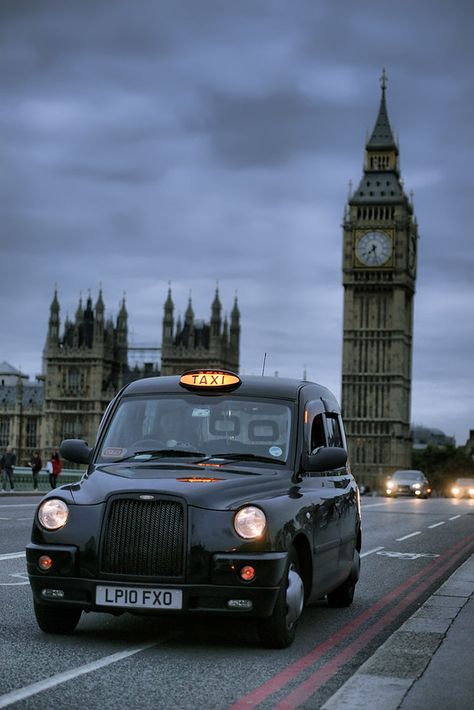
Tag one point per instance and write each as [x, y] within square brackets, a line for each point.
[54, 468]
[7, 465]
[36, 465]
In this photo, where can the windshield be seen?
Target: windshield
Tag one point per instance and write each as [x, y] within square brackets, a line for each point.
[189, 425]
[407, 476]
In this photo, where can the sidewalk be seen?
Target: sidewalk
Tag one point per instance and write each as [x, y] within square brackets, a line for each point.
[427, 663]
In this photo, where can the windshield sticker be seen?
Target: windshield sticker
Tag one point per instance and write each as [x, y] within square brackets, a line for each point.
[113, 452]
[201, 412]
[275, 451]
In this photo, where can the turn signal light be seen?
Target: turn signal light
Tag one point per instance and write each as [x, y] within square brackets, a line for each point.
[247, 573]
[45, 563]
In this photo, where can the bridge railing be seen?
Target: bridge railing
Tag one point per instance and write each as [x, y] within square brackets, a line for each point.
[23, 479]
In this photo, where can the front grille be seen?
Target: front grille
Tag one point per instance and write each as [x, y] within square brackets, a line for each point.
[404, 489]
[143, 538]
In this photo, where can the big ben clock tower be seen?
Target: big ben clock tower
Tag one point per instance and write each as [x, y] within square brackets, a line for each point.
[379, 272]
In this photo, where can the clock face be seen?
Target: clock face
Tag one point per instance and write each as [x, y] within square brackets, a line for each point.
[374, 248]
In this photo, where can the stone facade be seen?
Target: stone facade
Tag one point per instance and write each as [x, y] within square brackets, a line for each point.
[195, 343]
[379, 271]
[83, 368]
[21, 413]
[86, 362]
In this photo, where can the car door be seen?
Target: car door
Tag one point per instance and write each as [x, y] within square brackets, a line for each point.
[345, 497]
[324, 494]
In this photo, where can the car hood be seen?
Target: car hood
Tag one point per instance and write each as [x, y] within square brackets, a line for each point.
[214, 487]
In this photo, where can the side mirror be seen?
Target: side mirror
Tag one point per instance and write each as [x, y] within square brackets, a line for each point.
[75, 450]
[325, 458]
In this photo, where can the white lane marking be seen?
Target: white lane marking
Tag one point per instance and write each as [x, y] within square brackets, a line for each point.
[12, 555]
[5, 518]
[15, 584]
[407, 555]
[374, 505]
[370, 552]
[24, 518]
[20, 505]
[29, 690]
[405, 537]
[437, 524]
[455, 517]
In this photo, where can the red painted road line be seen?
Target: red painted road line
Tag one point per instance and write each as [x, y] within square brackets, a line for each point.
[322, 675]
[278, 681]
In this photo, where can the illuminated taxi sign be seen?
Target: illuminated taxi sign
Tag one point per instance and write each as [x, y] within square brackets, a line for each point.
[210, 379]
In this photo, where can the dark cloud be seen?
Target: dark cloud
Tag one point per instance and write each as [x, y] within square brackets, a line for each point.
[203, 142]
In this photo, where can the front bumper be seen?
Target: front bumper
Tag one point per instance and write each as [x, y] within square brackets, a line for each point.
[224, 585]
[413, 492]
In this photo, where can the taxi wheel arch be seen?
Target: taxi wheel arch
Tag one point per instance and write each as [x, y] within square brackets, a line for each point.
[56, 620]
[279, 629]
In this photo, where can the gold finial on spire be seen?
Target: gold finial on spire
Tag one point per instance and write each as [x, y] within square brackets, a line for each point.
[383, 80]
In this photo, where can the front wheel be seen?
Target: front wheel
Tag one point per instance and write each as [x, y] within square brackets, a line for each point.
[57, 620]
[279, 629]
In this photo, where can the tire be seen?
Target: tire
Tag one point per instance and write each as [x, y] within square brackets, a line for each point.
[279, 629]
[57, 620]
[342, 596]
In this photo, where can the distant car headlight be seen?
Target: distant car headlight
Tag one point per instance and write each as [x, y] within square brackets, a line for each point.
[471, 491]
[250, 522]
[53, 514]
[455, 491]
[390, 486]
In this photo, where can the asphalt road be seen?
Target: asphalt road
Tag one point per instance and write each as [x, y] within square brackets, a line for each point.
[409, 548]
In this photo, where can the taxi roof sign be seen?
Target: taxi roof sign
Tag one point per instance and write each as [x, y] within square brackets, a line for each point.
[217, 380]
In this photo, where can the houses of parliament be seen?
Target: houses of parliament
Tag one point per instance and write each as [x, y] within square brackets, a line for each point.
[88, 359]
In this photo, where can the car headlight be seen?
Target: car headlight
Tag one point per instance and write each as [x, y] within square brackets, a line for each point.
[53, 514]
[390, 486]
[416, 486]
[250, 522]
[471, 491]
[455, 491]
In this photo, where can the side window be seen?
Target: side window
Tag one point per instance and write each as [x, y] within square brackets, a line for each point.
[318, 437]
[333, 430]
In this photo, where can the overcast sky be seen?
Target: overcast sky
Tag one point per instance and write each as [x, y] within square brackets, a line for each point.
[213, 141]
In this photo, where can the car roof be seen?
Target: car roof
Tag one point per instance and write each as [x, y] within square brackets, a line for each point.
[251, 385]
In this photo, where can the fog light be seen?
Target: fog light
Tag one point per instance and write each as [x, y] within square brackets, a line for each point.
[45, 563]
[52, 593]
[245, 604]
[247, 573]
[418, 492]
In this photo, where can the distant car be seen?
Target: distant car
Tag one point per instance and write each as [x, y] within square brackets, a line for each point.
[463, 488]
[408, 483]
[209, 494]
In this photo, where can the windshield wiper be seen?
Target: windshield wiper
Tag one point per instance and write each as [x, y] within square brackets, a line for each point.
[246, 457]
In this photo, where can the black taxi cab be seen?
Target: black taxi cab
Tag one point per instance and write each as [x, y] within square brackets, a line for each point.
[207, 493]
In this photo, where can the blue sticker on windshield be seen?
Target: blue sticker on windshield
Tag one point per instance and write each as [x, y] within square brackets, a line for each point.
[275, 451]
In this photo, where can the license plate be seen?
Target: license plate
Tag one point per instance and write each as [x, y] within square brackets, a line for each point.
[139, 597]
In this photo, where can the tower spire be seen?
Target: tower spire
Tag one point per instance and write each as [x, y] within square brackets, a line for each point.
[382, 135]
